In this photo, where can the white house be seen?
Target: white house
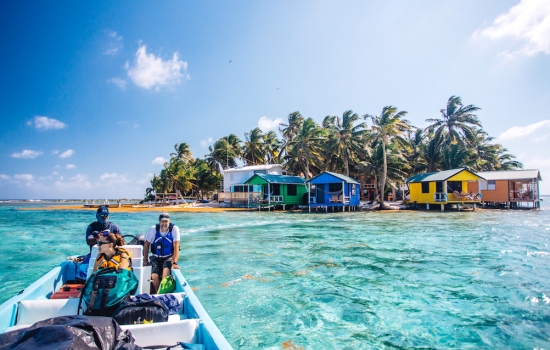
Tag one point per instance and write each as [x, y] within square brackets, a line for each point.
[238, 176]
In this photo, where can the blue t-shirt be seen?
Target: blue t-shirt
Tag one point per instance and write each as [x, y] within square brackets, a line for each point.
[98, 226]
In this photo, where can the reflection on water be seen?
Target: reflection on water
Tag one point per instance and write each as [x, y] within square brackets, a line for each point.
[336, 281]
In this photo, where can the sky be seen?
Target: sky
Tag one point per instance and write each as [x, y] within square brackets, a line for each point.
[94, 95]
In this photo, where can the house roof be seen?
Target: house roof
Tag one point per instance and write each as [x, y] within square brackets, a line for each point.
[253, 167]
[439, 176]
[340, 176]
[280, 179]
[511, 174]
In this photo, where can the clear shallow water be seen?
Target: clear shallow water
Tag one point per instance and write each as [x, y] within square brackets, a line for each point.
[335, 281]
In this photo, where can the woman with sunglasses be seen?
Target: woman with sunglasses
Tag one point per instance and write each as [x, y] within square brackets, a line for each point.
[110, 253]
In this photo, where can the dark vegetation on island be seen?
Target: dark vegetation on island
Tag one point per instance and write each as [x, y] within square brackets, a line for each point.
[389, 151]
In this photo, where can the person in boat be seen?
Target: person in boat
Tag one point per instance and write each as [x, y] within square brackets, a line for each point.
[163, 241]
[102, 224]
[110, 253]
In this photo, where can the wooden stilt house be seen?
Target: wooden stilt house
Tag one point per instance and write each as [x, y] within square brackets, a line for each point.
[276, 190]
[331, 190]
[445, 187]
[510, 188]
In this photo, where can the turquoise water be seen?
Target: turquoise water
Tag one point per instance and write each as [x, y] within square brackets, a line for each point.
[363, 280]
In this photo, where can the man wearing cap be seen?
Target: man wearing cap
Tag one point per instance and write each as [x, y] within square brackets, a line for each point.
[102, 224]
[163, 240]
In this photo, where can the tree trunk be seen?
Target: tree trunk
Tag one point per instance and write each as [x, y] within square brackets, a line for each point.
[384, 175]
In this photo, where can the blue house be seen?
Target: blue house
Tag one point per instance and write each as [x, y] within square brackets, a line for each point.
[333, 190]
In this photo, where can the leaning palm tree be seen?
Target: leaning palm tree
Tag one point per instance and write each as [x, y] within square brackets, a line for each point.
[386, 127]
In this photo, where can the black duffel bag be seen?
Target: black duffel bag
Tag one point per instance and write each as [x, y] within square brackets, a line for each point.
[138, 312]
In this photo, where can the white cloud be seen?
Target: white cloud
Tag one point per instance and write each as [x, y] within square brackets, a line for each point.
[70, 166]
[27, 153]
[45, 123]
[537, 163]
[159, 160]
[55, 152]
[136, 125]
[115, 43]
[56, 167]
[528, 23]
[205, 143]
[516, 132]
[265, 124]
[149, 71]
[54, 173]
[23, 177]
[5, 177]
[121, 83]
[66, 154]
[112, 180]
[79, 181]
[145, 180]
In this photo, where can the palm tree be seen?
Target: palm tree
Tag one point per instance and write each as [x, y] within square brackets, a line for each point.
[345, 138]
[305, 148]
[272, 147]
[182, 153]
[254, 148]
[205, 179]
[389, 125]
[224, 153]
[457, 122]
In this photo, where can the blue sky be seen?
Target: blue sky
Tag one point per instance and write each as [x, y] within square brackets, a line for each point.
[96, 94]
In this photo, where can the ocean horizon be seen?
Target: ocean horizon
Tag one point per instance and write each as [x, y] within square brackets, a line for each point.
[359, 280]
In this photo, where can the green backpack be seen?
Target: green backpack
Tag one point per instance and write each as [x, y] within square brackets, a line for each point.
[167, 285]
[105, 289]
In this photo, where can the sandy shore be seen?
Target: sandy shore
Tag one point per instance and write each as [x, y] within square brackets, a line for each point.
[129, 208]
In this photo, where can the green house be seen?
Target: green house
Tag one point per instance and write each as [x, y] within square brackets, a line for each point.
[276, 190]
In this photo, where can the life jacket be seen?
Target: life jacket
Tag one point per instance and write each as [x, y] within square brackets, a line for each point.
[102, 263]
[163, 245]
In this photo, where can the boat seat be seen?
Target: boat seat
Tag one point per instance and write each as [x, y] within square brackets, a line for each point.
[170, 332]
[32, 311]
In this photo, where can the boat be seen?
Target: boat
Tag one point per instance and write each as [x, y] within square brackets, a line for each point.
[45, 299]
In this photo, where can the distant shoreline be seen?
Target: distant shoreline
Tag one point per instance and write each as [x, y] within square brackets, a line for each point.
[131, 209]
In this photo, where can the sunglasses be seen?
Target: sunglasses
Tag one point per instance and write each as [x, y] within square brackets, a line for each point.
[100, 243]
[104, 216]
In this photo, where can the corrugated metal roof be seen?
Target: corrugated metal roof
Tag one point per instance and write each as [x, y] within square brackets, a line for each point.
[511, 174]
[281, 179]
[340, 176]
[253, 167]
[439, 176]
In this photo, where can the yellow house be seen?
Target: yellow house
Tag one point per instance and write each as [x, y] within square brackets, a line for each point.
[444, 187]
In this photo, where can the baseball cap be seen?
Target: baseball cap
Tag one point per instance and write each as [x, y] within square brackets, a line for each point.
[164, 216]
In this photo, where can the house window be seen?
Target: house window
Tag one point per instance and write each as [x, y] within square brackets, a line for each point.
[491, 185]
[291, 190]
[260, 172]
[335, 187]
[425, 187]
[276, 190]
[482, 185]
[454, 186]
[439, 186]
